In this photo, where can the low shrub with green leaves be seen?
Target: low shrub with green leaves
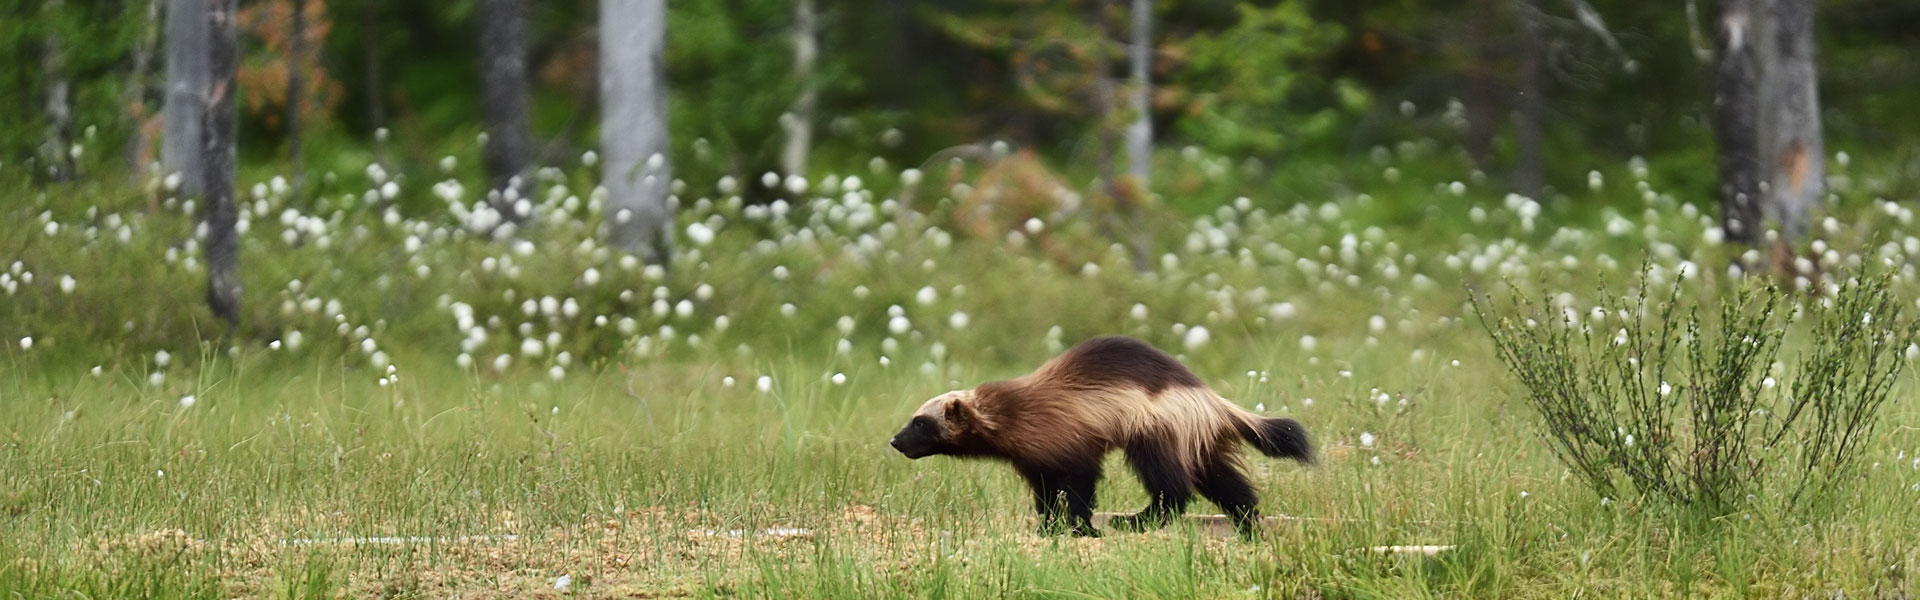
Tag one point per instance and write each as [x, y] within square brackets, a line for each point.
[1650, 398]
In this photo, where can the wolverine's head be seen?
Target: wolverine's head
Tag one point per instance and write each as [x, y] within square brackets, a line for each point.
[944, 425]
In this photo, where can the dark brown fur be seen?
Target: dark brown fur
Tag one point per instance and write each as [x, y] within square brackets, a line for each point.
[1056, 424]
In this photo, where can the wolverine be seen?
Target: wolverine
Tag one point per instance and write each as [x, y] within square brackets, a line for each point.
[1054, 426]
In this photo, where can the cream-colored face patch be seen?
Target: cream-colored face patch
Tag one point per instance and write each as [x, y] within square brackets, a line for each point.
[937, 407]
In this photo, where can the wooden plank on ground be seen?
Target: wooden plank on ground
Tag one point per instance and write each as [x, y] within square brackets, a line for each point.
[1221, 526]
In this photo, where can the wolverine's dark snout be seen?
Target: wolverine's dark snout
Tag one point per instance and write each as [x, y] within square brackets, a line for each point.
[914, 441]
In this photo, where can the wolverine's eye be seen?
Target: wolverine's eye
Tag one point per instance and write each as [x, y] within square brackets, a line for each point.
[919, 425]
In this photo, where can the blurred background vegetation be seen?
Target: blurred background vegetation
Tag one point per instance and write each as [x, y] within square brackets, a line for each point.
[1292, 95]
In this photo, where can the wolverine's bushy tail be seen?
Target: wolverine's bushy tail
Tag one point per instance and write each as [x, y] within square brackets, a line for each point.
[1277, 438]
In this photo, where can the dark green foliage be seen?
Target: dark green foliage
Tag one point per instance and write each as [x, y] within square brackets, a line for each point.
[1280, 89]
[1250, 75]
[1651, 399]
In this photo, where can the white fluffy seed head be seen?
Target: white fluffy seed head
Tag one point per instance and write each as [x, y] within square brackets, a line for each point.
[1196, 338]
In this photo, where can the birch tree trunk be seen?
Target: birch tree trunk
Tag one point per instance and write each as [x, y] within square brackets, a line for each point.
[295, 90]
[1140, 133]
[799, 121]
[184, 109]
[1126, 196]
[56, 146]
[1792, 151]
[1772, 159]
[1736, 108]
[136, 94]
[222, 241]
[1482, 89]
[1529, 169]
[503, 100]
[376, 79]
[633, 128]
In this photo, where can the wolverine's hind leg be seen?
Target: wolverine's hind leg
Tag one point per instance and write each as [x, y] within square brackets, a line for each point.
[1222, 482]
[1169, 485]
[1064, 498]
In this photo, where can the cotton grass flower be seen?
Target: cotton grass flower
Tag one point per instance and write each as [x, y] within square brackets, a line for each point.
[700, 234]
[1281, 311]
[1196, 338]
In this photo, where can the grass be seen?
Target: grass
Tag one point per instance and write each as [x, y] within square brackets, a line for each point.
[612, 469]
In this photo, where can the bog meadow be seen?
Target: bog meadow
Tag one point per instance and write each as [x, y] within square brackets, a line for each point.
[509, 299]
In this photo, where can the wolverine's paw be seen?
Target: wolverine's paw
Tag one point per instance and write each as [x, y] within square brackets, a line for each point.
[1079, 529]
[1250, 531]
[1139, 522]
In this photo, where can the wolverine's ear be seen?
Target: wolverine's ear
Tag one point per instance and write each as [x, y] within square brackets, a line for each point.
[960, 411]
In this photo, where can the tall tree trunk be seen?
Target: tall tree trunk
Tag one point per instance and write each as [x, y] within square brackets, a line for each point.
[902, 38]
[503, 100]
[1530, 118]
[376, 79]
[1140, 133]
[295, 91]
[799, 121]
[1482, 95]
[56, 147]
[1104, 102]
[633, 127]
[1792, 151]
[1736, 108]
[184, 110]
[222, 241]
[138, 152]
[1772, 160]
[1126, 196]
